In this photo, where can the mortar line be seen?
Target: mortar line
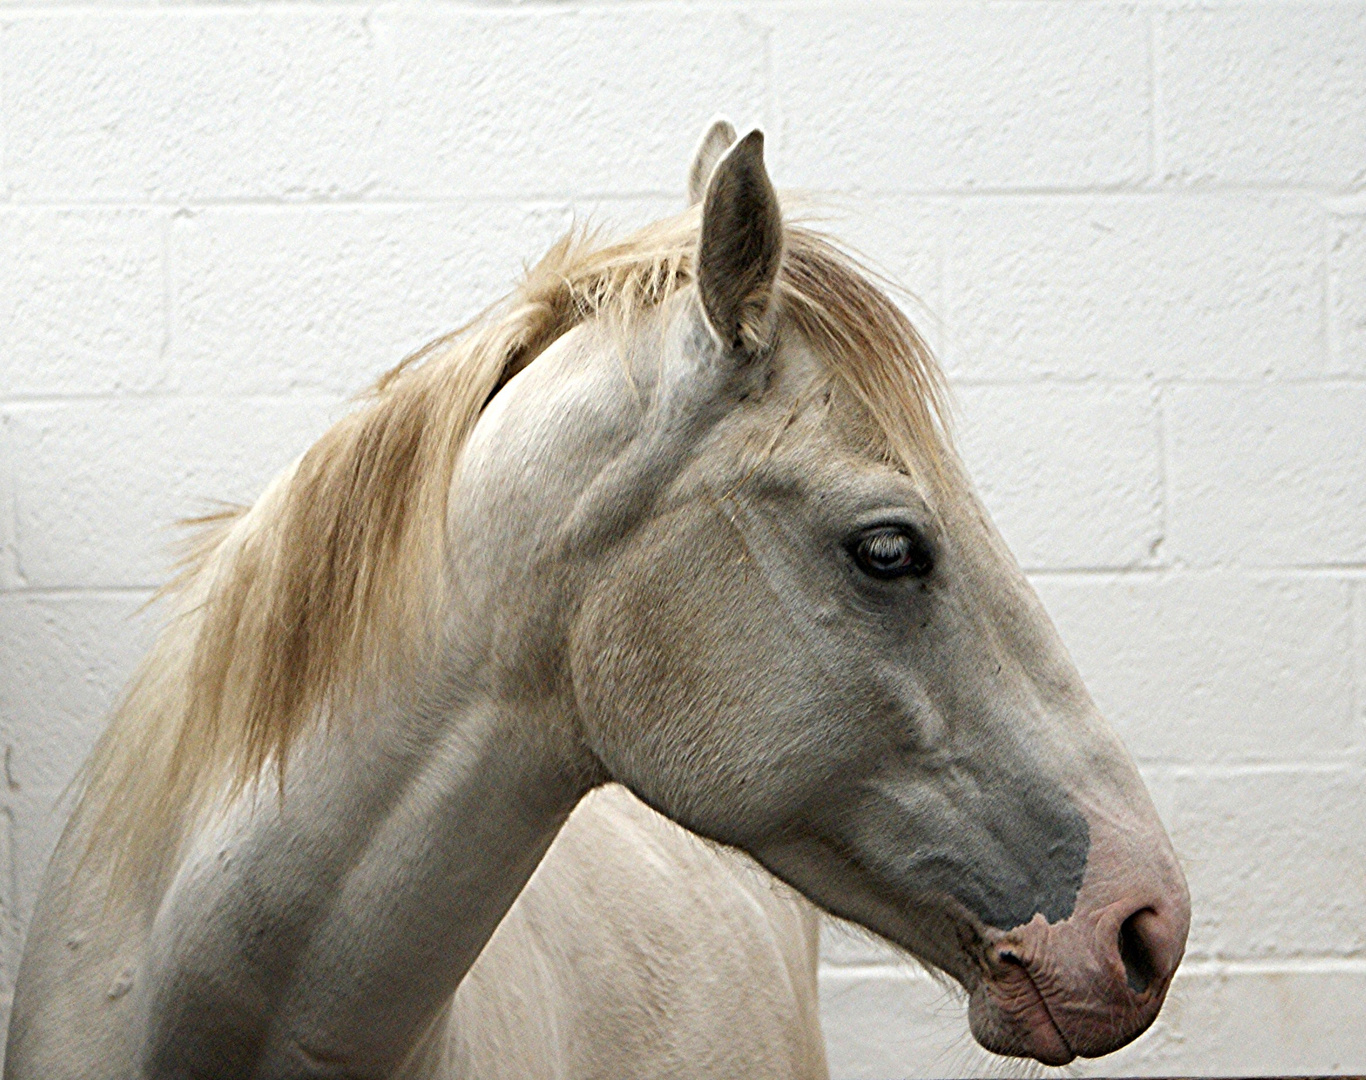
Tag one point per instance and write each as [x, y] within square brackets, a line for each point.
[1332, 344]
[1162, 547]
[1358, 660]
[1352, 571]
[47, 592]
[6, 188]
[167, 274]
[771, 118]
[1236, 770]
[1123, 191]
[1158, 117]
[23, 402]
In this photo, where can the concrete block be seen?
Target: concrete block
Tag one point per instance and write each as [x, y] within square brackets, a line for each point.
[882, 1022]
[267, 300]
[1133, 287]
[1072, 474]
[198, 103]
[1219, 1020]
[1273, 857]
[846, 944]
[953, 97]
[82, 301]
[1214, 668]
[557, 100]
[66, 658]
[99, 484]
[1347, 293]
[1266, 475]
[1263, 94]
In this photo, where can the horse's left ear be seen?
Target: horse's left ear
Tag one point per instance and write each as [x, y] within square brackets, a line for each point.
[741, 247]
[715, 142]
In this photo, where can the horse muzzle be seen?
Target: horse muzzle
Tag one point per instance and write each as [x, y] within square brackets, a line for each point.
[1082, 987]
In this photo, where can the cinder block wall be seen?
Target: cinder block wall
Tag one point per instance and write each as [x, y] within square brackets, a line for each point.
[1139, 233]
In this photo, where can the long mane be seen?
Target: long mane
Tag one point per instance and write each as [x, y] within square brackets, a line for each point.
[331, 586]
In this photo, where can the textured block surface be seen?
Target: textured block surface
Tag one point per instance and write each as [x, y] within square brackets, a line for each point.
[82, 300]
[495, 101]
[201, 103]
[946, 96]
[1071, 474]
[1215, 668]
[1347, 292]
[1136, 287]
[95, 508]
[1267, 475]
[1263, 93]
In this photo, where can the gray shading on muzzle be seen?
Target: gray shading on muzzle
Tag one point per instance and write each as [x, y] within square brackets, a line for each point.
[1007, 847]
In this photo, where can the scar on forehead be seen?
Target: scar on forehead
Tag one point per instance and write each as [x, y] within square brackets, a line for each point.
[794, 412]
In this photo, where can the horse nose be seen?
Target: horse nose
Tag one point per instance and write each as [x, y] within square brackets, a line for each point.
[1135, 948]
[1139, 950]
[1135, 951]
[1148, 948]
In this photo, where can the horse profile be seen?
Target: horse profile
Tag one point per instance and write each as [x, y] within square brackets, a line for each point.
[680, 517]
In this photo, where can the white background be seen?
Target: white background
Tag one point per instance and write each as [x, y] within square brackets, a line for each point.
[1139, 232]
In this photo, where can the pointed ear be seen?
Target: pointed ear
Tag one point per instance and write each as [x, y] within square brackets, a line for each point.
[741, 247]
[714, 143]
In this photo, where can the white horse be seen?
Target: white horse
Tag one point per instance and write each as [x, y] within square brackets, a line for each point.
[679, 514]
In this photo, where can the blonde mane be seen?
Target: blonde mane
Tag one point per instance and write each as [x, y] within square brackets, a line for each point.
[331, 586]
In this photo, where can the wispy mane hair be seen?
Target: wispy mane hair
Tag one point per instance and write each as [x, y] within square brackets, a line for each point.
[329, 588]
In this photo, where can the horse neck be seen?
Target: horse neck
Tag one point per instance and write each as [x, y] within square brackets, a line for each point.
[402, 839]
[405, 835]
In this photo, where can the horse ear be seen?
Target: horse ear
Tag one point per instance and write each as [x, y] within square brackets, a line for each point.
[715, 142]
[741, 247]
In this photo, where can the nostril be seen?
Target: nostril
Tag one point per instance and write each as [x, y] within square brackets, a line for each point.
[1140, 969]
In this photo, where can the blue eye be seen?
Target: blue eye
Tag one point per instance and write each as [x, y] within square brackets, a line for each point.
[892, 551]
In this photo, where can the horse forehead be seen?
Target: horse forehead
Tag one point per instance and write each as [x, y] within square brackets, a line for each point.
[801, 412]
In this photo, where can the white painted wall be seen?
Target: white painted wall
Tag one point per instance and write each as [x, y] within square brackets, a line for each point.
[1141, 231]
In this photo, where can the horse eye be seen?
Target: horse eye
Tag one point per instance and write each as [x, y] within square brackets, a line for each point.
[892, 551]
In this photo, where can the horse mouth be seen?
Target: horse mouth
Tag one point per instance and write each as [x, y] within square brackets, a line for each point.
[1055, 992]
[1009, 1015]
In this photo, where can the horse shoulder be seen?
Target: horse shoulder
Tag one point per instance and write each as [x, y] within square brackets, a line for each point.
[72, 1013]
[638, 949]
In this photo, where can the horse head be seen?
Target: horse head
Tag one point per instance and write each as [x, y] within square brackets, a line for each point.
[791, 626]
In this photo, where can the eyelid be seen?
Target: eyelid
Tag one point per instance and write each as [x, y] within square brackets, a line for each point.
[892, 517]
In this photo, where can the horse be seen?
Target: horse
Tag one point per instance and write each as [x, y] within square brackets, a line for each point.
[680, 517]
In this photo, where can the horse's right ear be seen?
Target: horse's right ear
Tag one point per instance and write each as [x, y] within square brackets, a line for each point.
[715, 142]
[741, 247]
